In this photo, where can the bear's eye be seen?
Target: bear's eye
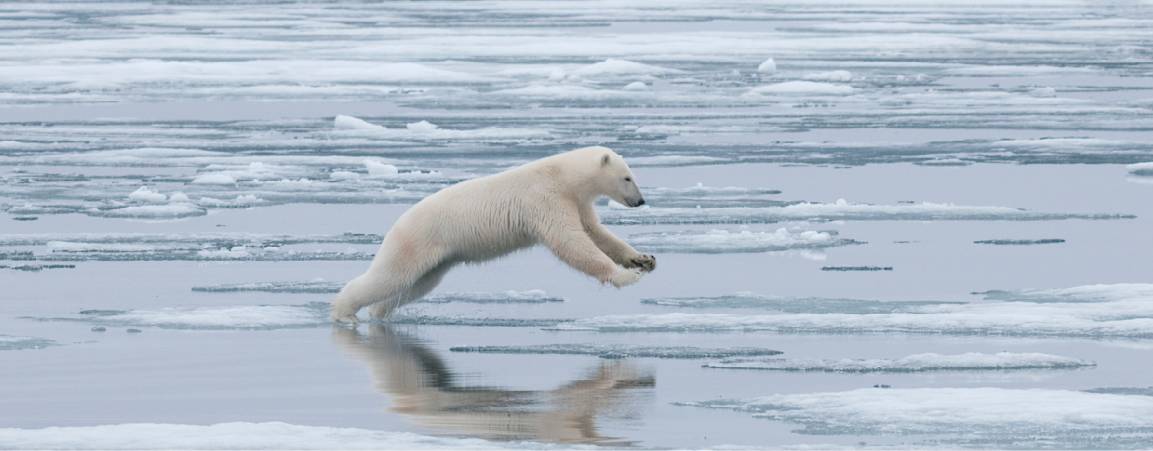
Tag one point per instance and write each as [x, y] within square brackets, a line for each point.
[628, 179]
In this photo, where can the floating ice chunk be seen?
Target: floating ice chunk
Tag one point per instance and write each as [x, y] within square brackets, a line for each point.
[801, 88]
[621, 67]
[728, 241]
[252, 317]
[239, 435]
[636, 86]
[179, 198]
[241, 201]
[944, 162]
[767, 66]
[795, 305]
[842, 76]
[1143, 169]
[343, 175]
[1084, 293]
[146, 195]
[378, 169]
[971, 361]
[214, 178]
[10, 343]
[839, 211]
[168, 211]
[616, 351]
[342, 122]
[314, 286]
[422, 126]
[1059, 418]
[1003, 242]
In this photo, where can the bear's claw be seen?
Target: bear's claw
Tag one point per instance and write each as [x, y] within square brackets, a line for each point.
[645, 262]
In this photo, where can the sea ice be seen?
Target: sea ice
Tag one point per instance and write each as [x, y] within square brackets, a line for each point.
[240, 435]
[616, 351]
[972, 361]
[986, 417]
[744, 240]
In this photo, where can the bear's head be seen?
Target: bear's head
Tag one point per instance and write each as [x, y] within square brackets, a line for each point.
[615, 180]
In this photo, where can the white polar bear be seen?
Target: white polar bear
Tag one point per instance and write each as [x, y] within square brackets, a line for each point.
[548, 201]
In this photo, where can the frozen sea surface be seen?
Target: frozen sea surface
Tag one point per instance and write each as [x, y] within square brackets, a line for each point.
[936, 212]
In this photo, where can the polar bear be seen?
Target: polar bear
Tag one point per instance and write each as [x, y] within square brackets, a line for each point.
[548, 201]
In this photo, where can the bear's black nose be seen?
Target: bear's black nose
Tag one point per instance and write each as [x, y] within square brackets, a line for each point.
[640, 202]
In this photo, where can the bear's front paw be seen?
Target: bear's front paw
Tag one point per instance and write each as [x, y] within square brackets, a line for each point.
[625, 277]
[644, 262]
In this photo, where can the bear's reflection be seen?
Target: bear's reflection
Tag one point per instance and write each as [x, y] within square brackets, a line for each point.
[423, 387]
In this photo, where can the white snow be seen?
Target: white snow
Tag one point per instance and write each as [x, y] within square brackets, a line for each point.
[801, 88]
[621, 67]
[241, 435]
[421, 127]
[146, 195]
[636, 86]
[842, 76]
[376, 168]
[969, 411]
[214, 178]
[912, 363]
[767, 66]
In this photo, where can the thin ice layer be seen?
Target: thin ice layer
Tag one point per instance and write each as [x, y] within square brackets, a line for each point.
[971, 361]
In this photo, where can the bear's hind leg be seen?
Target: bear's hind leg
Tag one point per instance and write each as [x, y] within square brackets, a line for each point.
[382, 310]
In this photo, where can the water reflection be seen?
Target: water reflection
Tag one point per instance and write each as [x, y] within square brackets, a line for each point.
[423, 387]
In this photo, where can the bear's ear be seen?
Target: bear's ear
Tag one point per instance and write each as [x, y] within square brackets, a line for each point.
[605, 160]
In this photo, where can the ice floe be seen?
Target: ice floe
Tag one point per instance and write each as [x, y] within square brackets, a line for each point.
[730, 241]
[798, 88]
[971, 361]
[767, 66]
[1085, 293]
[794, 304]
[251, 317]
[1143, 169]
[984, 417]
[9, 343]
[184, 247]
[617, 351]
[242, 435]
[840, 210]
[1111, 311]
[424, 130]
